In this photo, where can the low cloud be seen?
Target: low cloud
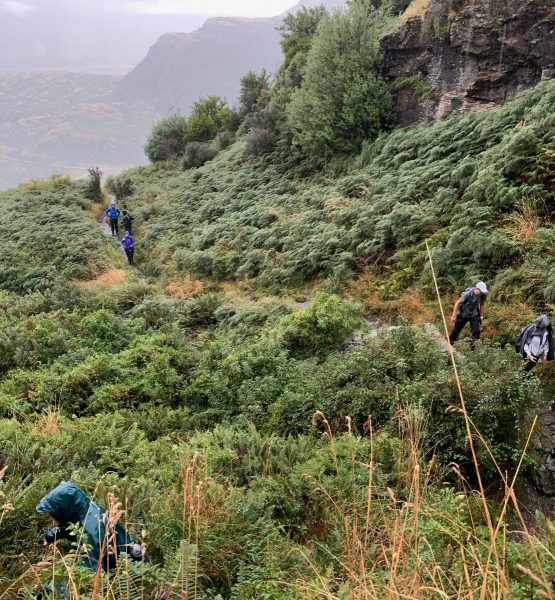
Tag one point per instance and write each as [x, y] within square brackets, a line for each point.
[247, 8]
[19, 9]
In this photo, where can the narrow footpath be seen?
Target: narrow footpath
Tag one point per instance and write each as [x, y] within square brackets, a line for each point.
[106, 229]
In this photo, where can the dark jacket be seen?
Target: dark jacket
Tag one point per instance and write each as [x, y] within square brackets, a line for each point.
[68, 504]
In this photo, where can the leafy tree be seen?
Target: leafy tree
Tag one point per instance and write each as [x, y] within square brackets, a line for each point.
[94, 185]
[343, 99]
[253, 86]
[297, 31]
[209, 117]
[167, 139]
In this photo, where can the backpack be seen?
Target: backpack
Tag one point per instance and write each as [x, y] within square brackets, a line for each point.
[523, 338]
[469, 306]
[113, 212]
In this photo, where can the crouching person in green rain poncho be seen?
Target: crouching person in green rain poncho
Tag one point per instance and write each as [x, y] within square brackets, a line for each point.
[68, 505]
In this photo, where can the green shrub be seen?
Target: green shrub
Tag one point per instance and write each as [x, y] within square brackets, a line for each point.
[197, 154]
[167, 139]
[324, 325]
[93, 190]
[121, 187]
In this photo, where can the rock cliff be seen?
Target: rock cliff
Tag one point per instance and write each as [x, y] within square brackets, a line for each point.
[467, 55]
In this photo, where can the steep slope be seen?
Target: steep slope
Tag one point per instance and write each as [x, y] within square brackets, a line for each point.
[199, 399]
[468, 55]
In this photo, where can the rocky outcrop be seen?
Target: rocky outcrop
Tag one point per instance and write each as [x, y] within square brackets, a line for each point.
[468, 55]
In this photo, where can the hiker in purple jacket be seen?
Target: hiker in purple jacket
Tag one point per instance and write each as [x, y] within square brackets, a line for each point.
[128, 244]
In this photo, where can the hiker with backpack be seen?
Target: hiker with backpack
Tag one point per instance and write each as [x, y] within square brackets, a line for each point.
[469, 308]
[127, 219]
[100, 539]
[128, 244]
[534, 342]
[113, 213]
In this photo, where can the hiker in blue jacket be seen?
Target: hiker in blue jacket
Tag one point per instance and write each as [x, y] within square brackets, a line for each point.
[113, 213]
[128, 244]
[68, 505]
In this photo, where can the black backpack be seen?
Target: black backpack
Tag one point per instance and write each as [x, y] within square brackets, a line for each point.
[523, 338]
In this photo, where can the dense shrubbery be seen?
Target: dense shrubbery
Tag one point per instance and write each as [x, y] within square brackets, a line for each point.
[47, 237]
[168, 139]
[461, 183]
[202, 402]
[177, 136]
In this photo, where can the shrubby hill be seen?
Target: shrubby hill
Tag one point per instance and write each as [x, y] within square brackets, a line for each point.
[266, 440]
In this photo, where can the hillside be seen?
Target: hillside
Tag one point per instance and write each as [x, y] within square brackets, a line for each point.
[211, 366]
[274, 411]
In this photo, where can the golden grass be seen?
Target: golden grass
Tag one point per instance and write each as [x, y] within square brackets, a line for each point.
[109, 279]
[523, 224]
[48, 424]
[186, 288]
[411, 305]
[417, 8]
[97, 210]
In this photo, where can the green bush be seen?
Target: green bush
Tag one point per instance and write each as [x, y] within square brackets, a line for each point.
[198, 153]
[167, 139]
[209, 117]
[324, 325]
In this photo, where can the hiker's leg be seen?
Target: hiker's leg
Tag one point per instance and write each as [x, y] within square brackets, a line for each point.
[131, 254]
[475, 327]
[112, 226]
[530, 365]
[116, 223]
[128, 254]
[457, 328]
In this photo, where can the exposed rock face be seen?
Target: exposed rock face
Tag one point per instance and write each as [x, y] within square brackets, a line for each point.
[469, 54]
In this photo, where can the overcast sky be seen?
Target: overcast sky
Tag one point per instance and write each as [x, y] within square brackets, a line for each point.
[246, 8]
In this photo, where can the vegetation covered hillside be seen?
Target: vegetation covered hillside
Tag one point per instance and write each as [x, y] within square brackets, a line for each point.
[240, 411]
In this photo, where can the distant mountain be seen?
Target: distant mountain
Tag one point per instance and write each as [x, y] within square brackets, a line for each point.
[83, 38]
[182, 67]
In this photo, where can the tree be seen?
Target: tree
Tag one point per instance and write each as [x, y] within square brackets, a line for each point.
[167, 139]
[94, 185]
[253, 86]
[209, 117]
[297, 31]
[343, 99]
